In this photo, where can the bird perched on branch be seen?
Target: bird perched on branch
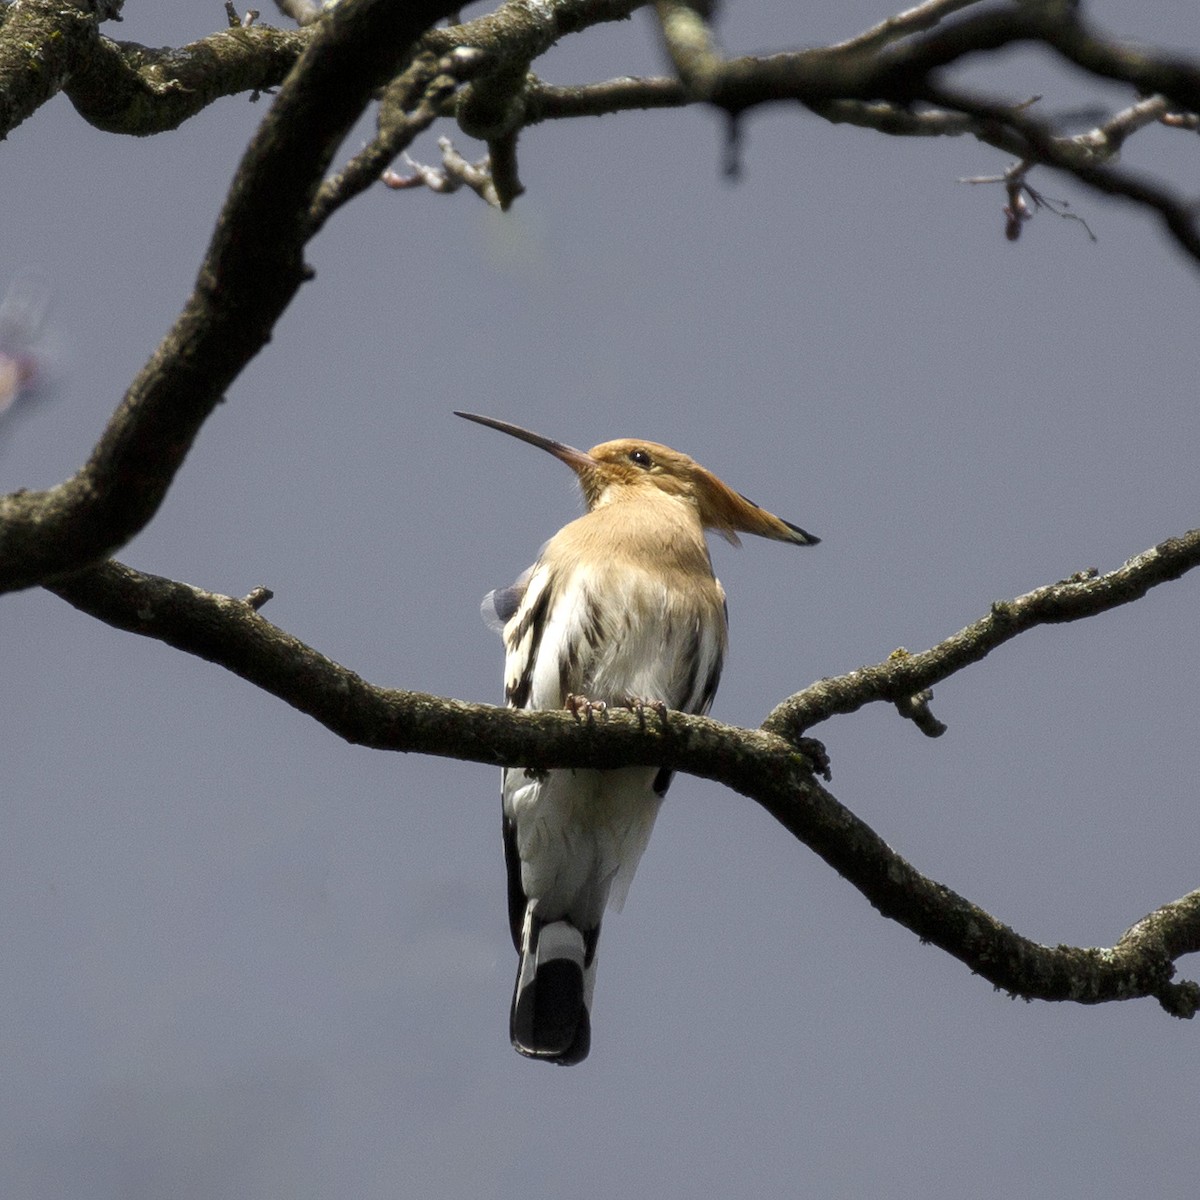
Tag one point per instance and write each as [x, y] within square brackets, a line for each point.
[621, 607]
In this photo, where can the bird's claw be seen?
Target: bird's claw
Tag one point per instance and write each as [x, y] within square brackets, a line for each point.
[580, 707]
[637, 704]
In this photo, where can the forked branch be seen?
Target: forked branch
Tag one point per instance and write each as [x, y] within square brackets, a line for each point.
[252, 269]
[761, 764]
[902, 675]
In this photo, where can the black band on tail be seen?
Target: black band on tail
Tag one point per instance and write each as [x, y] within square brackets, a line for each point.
[550, 1018]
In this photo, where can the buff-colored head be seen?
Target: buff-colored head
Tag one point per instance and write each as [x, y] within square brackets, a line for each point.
[617, 471]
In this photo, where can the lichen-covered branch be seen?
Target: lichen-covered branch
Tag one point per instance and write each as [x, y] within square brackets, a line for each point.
[123, 87]
[252, 269]
[40, 43]
[759, 764]
[1085, 594]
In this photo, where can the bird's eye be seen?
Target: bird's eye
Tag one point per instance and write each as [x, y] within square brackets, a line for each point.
[641, 458]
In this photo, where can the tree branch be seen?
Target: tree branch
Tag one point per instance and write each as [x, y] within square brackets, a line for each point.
[407, 107]
[303, 12]
[759, 764]
[871, 80]
[903, 24]
[123, 87]
[40, 43]
[1082, 157]
[1060, 28]
[1085, 594]
[547, 101]
[253, 268]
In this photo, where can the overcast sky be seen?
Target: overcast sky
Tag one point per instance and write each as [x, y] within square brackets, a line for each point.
[242, 959]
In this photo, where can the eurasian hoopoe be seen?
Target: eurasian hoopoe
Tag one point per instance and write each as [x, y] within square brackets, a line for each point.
[621, 607]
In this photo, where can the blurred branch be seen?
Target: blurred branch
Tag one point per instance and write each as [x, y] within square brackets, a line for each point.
[904, 24]
[845, 83]
[759, 764]
[691, 46]
[303, 12]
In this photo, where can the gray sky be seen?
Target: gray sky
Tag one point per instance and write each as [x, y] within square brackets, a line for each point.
[245, 960]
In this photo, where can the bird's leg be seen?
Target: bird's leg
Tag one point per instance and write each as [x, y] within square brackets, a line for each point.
[638, 704]
[581, 706]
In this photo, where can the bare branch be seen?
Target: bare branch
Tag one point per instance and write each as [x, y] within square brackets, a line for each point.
[1107, 139]
[915, 708]
[523, 31]
[1180, 218]
[896, 119]
[1061, 29]
[122, 87]
[252, 269]
[408, 106]
[257, 597]
[545, 101]
[904, 24]
[878, 80]
[502, 167]
[512, 37]
[454, 173]
[756, 763]
[1083, 595]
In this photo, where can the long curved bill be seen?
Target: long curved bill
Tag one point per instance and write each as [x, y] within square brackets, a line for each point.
[577, 460]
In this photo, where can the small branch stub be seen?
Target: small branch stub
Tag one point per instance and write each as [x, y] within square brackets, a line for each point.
[454, 173]
[257, 597]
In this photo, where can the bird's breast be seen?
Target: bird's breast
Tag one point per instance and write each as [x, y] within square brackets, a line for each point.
[622, 605]
[623, 631]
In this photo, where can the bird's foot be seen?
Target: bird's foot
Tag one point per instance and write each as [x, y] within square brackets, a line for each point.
[637, 704]
[580, 707]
